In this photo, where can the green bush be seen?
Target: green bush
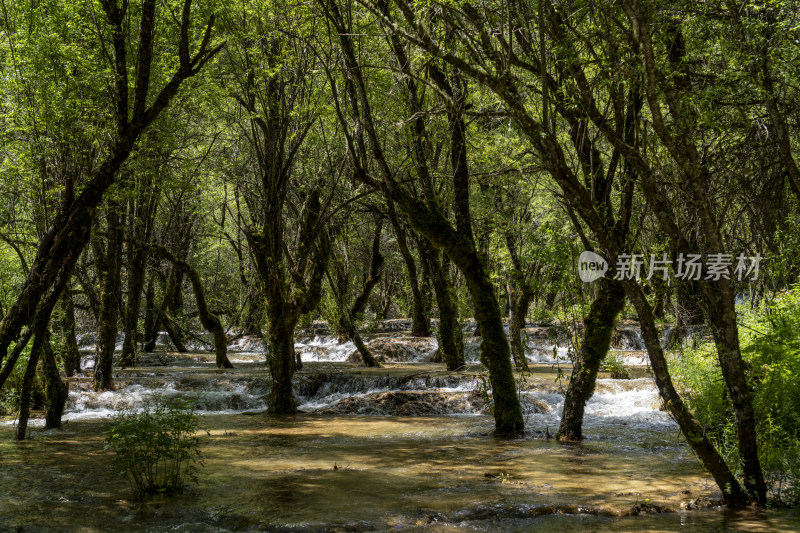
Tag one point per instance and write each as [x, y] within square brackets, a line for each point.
[9, 394]
[157, 449]
[615, 366]
[770, 345]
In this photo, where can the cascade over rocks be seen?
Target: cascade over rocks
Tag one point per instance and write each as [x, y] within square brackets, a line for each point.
[399, 349]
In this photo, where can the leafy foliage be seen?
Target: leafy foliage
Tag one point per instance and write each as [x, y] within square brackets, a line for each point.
[9, 394]
[157, 449]
[616, 367]
[771, 349]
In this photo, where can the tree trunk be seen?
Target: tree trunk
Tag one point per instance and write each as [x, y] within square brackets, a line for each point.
[209, 320]
[88, 291]
[721, 311]
[366, 355]
[420, 323]
[56, 390]
[173, 331]
[142, 212]
[110, 263]
[520, 295]
[694, 433]
[283, 289]
[254, 314]
[71, 355]
[518, 303]
[280, 359]
[660, 293]
[598, 326]
[495, 353]
[151, 324]
[38, 330]
[136, 273]
[26, 390]
[449, 337]
[348, 318]
[161, 316]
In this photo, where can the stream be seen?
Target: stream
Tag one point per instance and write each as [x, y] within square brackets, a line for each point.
[404, 447]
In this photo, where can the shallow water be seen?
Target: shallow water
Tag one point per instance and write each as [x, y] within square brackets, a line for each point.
[329, 469]
[310, 472]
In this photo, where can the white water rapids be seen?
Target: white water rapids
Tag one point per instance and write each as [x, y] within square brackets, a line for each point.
[329, 387]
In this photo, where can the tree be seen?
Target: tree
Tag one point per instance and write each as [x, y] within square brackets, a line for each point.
[65, 239]
[427, 218]
[498, 65]
[272, 82]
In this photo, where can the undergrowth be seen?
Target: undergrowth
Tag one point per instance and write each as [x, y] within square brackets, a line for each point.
[770, 346]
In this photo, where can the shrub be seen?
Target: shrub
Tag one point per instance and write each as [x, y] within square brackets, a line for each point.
[771, 349]
[9, 394]
[615, 366]
[157, 448]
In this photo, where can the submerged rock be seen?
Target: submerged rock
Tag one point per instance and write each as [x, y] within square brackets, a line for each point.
[399, 350]
[320, 385]
[410, 403]
[421, 403]
[247, 343]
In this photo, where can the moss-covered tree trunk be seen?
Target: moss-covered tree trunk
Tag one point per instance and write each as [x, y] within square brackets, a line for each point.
[518, 302]
[291, 291]
[694, 432]
[352, 332]
[721, 311]
[280, 358]
[420, 322]
[142, 212]
[69, 341]
[209, 320]
[253, 314]
[449, 336]
[520, 295]
[136, 272]
[427, 218]
[598, 327]
[56, 391]
[110, 261]
[25, 393]
[495, 352]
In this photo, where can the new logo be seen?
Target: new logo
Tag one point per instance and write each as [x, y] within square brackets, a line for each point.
[591, 266]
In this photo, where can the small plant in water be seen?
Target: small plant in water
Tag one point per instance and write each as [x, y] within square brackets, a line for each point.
[157, 448]
[483, 388]
[614, 365]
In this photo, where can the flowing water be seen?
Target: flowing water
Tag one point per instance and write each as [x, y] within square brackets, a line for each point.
[404, 447]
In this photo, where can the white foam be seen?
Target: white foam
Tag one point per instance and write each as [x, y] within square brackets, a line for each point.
[324, 348]
[543, 353]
